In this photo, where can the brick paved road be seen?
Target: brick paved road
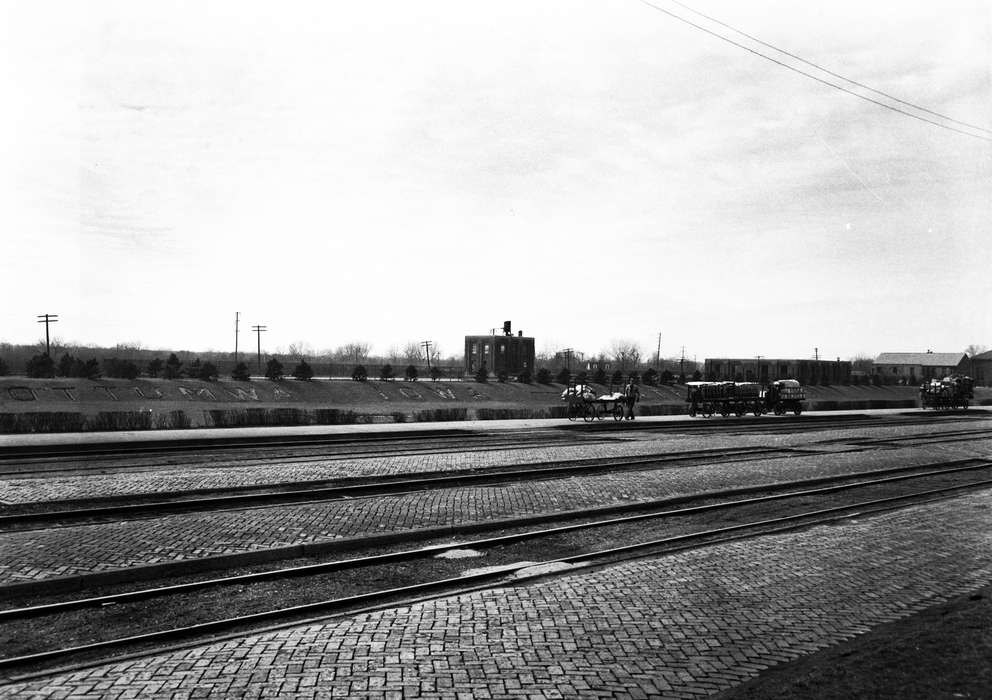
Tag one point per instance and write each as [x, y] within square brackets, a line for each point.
[215, 474]
[44, 554]
[681, 626]
[224, 475]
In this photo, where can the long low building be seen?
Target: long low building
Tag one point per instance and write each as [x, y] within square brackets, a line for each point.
[765, 369]
[913, 367]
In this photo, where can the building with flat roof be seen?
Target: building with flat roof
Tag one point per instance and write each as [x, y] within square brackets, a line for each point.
[512, 354]
[768, 369]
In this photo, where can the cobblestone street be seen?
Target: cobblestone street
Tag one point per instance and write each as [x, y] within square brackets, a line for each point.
[37, 555]
[679, 626]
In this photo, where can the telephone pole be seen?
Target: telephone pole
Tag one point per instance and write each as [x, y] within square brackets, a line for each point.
[46, 319]
[567, 352]
[657, 357]
[682, 363]
[258, 332]
[237, 321]
[426, 345]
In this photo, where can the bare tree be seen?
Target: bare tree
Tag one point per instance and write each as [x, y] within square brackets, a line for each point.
[974, 349]
[301, 350]
[626, 353]
[354, 351]
[129, 348]
[411, 352]
[862, 363]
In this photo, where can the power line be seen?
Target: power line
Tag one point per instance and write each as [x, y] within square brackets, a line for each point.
[47, 319]
[830, 72]
[258, 333]
[810, 75]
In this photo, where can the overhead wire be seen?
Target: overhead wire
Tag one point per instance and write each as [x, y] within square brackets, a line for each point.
[814, 77]
[830, 72]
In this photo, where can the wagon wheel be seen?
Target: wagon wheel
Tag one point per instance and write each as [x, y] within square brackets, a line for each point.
[724, 410]
[707, 410]
[572, 411]
[590, 413]
[740, 409]
[779, 410]
[618, 410]
[797, 409]
[692, 411]
[757, 408]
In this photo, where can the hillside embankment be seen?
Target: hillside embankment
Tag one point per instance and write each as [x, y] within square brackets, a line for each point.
[77, 405]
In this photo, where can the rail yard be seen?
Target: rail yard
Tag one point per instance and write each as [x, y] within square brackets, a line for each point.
[662, 558]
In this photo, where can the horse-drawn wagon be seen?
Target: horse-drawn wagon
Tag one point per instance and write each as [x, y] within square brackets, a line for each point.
[584, 404]
[739, 398]
[785, 395]
[948, 393]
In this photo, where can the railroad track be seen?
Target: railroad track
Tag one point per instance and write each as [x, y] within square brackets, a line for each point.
[18, 460]
[778, 424]
[66, 513]
[49, 462]
[863, 494]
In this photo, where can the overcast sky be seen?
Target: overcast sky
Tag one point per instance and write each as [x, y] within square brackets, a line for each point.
[400, 171]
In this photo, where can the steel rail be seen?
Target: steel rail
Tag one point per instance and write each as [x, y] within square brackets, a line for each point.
[489, 542]
[392, 486]
[578, 562]
[101, 449]
[236, 461]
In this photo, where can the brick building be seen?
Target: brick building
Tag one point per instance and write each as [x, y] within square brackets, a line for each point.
[980, 369]
[765, 369]
[499, 353]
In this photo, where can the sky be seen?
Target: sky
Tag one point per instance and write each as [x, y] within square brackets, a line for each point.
[593, 171]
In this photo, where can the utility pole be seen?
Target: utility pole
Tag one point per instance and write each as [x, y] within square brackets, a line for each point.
[426, 345]
[816, 354]
[682, 363]
[657, 357]
[258, 332]
[237, 320]
[567, 352]
[46, 319]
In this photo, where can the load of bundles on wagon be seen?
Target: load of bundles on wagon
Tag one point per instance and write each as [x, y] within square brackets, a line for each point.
[949, 393]
[584, 403]
[740, 398]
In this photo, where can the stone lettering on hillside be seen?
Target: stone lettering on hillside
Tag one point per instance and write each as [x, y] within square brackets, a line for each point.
[197, 393]
[68, 392]
[280, 394]
[410, 393]
[243, 394]
[108, 392]
[21, 393]
[147, 393]
[445, 393]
